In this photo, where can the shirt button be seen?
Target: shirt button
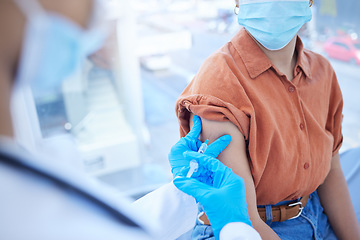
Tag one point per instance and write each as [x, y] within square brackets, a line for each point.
[291, 89]
[302, 126]
[306, 165]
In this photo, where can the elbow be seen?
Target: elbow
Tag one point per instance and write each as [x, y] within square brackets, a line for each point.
[255, 219]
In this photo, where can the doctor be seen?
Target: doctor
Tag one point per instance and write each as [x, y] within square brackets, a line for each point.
[43, 41]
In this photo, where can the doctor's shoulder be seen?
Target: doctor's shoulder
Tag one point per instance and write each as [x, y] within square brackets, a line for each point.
[36, 204]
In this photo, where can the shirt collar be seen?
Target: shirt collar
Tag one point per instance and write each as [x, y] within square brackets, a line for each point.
[302, 60]
[255, 60]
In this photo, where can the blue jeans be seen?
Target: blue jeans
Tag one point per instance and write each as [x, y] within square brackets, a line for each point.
[311, 224]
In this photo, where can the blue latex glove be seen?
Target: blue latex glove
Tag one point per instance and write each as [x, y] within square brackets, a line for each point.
[191, 142]
[222, 192]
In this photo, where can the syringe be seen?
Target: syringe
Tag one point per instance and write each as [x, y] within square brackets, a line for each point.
[193, 164]
[203, 147]
[193, 168]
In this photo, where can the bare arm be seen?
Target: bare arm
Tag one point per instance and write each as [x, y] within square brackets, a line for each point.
[335, 199]
[234, 156]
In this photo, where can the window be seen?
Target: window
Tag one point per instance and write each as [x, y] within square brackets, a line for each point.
[342, 45]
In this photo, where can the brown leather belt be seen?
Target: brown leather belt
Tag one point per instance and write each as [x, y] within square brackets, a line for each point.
[279, 213]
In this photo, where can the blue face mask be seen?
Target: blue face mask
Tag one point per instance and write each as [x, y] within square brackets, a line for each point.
[273, 23]
[53, 48]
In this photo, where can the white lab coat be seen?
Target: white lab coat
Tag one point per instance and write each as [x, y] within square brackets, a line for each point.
[33, 207]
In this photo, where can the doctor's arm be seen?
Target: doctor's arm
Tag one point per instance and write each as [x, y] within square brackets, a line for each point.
[171, 211]
[175, 212]
[234, 156]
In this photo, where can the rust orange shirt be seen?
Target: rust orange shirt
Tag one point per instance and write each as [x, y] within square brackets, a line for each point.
[291, 128]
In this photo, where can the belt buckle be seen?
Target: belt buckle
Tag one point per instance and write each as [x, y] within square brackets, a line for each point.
[300, 209]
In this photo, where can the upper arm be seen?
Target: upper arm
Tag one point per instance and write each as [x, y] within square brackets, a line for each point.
[234, 156]
[335, 162]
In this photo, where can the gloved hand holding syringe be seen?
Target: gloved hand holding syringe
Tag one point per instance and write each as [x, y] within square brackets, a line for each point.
[193, 164]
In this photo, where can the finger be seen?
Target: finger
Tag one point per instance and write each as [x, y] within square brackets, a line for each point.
[196, 129]
[188, 155]
[201, 176]
[215, 148]
[182, 172]
[218, 178]
[192, 187]
[216, 171]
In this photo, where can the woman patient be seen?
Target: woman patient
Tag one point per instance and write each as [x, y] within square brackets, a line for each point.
[282, 105]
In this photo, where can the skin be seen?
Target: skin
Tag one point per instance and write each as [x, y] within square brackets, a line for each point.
[333, 193]
[12, 25]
